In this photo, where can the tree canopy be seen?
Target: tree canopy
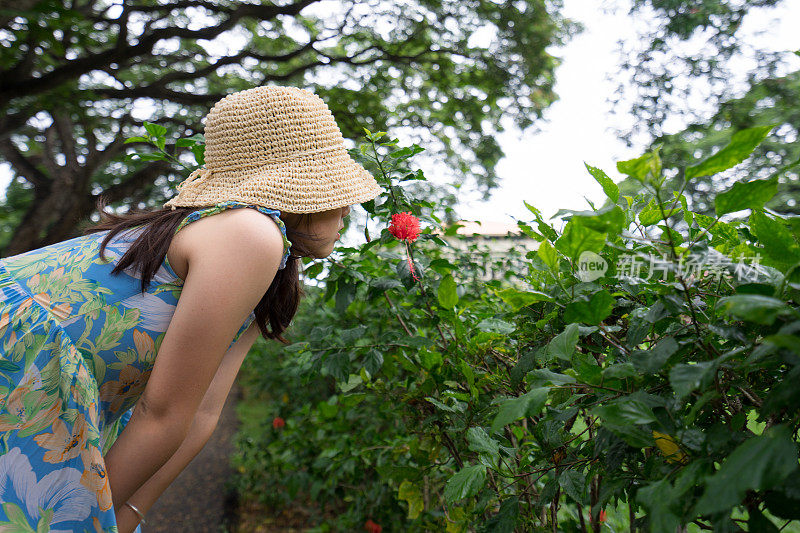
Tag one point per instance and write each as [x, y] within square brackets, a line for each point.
[664, 73]
[79, 77]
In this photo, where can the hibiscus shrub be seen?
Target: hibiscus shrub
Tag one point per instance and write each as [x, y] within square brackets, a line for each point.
[639, 372]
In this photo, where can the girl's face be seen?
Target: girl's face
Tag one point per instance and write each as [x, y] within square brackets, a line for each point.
[324, 227]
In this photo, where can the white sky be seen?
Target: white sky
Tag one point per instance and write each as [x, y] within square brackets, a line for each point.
[546, 168]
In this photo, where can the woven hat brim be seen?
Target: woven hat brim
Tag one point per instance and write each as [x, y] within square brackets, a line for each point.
[307, 184]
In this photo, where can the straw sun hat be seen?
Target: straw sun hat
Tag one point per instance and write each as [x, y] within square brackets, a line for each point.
[277, 147]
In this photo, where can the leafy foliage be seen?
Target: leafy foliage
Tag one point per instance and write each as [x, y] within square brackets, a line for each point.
[78, 78]
[667, 69]
[659, 392]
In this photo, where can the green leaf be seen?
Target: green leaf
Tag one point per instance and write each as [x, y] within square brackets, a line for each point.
[619, 371]
[779, 245]
[448, 297]
[578, 238]
[685, 378]
[544, 376]
[609, 187]
[610, 219]
[643, 166]
[506, 518]
[518, 299]
[758, 522]
[511, 410]
[316, 269]
[548, 254]
[563, 344]
[156, 130]
[480, 441]
[767, 459]
[753, 307]
[659, 499]
[651, 361]
[746, 195]
[430, 359]
[373, 361]
[148, 157]
[592, 312]
[784, 500]
[651, 214]
[345, 294]
[495, 325]
[136, 140]
[742, 144]
[465, 483]
[626, 411]
[716, 227]
[199, 151]
[574, 484]
[412, 495]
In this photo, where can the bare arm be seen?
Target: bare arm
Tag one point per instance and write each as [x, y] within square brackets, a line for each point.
[203, 425]
[228, 273]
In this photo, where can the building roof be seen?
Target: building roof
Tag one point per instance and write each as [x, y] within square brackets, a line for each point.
[487, 228]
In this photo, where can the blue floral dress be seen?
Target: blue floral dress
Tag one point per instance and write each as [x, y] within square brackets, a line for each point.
[77, 345]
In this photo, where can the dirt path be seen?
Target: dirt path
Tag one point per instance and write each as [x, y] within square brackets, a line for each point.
[200, 499]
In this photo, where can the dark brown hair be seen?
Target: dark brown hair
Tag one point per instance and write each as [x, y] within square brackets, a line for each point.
[146, 254]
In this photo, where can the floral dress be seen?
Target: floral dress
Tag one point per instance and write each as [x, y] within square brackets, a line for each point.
[77, 345]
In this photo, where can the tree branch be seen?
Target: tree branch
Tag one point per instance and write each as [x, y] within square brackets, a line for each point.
[12, 88]
[139, 179]
[22, 165]
[64, 129]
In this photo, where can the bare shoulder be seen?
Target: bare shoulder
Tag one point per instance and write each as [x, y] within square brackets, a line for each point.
[237, 229]
[232, 260]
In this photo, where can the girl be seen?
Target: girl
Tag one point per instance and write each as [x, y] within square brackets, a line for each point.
[157, 310]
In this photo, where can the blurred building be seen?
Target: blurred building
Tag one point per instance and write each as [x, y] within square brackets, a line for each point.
[496, 249]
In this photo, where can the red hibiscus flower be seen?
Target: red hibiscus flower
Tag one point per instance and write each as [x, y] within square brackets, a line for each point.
[404, 227]
[372, 527]
[278, 422]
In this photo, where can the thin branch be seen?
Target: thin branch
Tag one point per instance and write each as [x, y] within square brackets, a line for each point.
[22, 165]
[12, 88]
[64, 129]
[139, 179]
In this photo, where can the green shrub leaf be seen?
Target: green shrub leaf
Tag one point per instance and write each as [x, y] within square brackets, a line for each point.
[518, 299]
[574, 484]
[626, 411]
[465, 483]
[647, 166]
[412, 495]
[511, 410]
[779, 245]
[578, 238]
[746, 195]
[592, 312]
[548, 254]
[767, 460]
[753, 307]
[742, 144]
[609, 187]
[563, 344]
[685, 378]
[480, 441]
[448, 297]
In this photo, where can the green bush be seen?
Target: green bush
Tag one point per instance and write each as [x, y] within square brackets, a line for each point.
[641, 373]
